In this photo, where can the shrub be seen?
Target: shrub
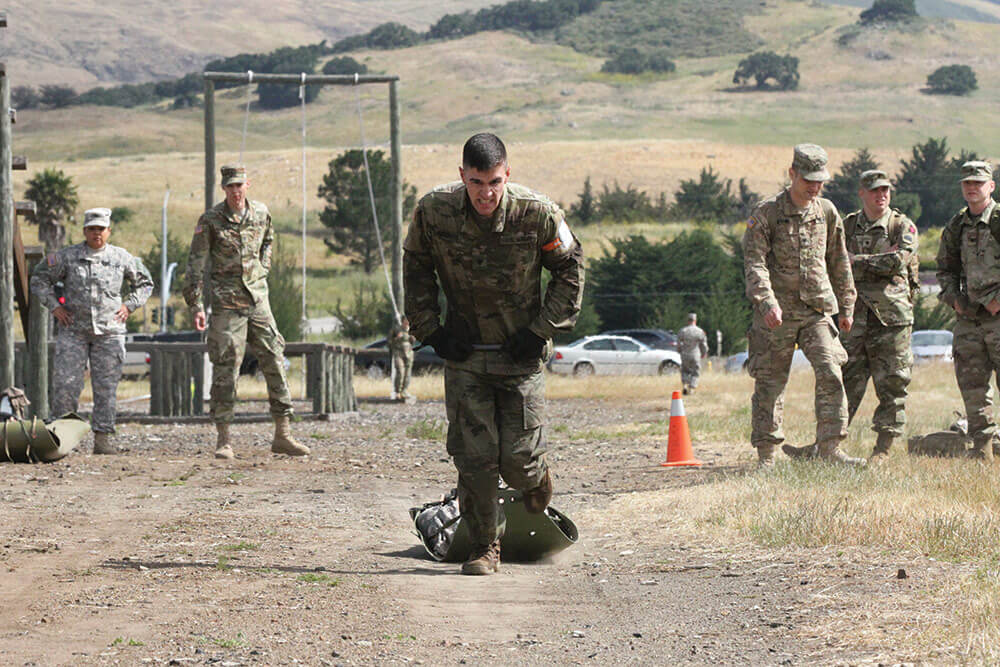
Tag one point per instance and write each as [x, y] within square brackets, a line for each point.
[632, 61]
[57, 96]
[783, 70]
[842, 189]
[711, 199]
[886, 11]
[952, 80]
[344, 65]
[24, 97]
[626, 205]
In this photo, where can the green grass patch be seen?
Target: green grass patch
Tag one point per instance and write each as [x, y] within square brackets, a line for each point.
[428, 429]
[121, 641]
[223, 564]
[317, 578]
[241, 546]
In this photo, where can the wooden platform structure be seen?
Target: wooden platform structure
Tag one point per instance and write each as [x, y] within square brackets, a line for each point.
[177, 377]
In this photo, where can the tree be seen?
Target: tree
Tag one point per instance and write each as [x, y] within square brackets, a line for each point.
[952, 80]
[57, 96]
[710, 199]
[348, 213]
[287, 60]
[285, 292]
[632, 61]
[585, 210]
[842, 189]
[55, 198]
[177, 251]
[888, 11]
[760, 67]
[24, 97]
[344, 65]
[626, 205]
[121, 214]
[932, 178]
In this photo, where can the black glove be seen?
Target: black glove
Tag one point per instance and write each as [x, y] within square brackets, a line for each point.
[448, 346]
[524, 345]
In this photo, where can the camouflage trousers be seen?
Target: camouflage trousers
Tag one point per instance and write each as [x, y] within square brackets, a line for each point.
[73, 351]
[402, 366]
[976, 348]
[883, 354]
[229, 333]
[690, 369]
[769, 361]
[494, 430]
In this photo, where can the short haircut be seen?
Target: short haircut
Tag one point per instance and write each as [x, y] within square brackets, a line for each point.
[484, 151]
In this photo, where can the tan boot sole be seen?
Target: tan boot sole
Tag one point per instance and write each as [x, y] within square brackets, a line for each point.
[290, 450]
[225, 453]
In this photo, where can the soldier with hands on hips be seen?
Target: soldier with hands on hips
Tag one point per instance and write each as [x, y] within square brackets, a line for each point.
[92, 319]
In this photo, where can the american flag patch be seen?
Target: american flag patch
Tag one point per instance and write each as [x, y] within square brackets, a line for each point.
[197, 228]
[51, 259]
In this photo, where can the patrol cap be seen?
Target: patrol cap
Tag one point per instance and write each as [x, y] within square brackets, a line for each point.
[692, 317]
[97, 217]
[809, 160]
[874, 178]
[233, 173]
[977, 170]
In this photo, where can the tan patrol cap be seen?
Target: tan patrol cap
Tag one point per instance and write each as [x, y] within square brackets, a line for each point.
[233, 173]
[810, 160]
[874, 178]
[977, 170]
[97, 217]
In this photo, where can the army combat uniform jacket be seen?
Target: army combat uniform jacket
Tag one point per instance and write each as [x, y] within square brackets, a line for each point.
[797, 259]
[969, 259]
[239, 247]
[92, 286]
[490, 271]
[885, 264]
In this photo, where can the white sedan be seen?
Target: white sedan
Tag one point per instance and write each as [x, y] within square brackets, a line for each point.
[612, 355]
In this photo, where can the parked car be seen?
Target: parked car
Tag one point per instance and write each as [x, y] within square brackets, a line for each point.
[931, 345]
[136, 364]
[658, 339]
[612, 355]
[738, 362]
[376, 363]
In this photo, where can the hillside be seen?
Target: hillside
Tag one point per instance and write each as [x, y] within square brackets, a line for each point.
[91, 42]
[986, 11]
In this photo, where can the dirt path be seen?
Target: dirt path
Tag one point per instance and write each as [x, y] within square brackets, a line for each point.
[160, 556]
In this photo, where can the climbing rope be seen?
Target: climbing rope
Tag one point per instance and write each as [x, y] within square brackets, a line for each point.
[305, 204]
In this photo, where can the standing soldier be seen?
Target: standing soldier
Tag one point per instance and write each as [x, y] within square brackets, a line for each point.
[882, 244]
[401, 352]
[486, 241]
[693, 346]
[92, 319]
[798, 275]
[969, 274]
[237, 236]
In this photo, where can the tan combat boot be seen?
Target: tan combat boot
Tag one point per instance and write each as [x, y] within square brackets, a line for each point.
[882, 445]
[829, 450]
[283, 442]
[803, 452]
[765, 456]
[222, 448]
[537, 499]
[102, 443]
[483, 561]
[981, 451]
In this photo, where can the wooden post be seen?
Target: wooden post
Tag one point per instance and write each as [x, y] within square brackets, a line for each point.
[6, 238]
[209, 143]
[396, 154]
[38, 347]
[198, 374]
[155, 383]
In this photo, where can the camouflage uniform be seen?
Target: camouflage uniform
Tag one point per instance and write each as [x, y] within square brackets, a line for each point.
[401, 352]
[885, 266]
[796, 259]
[92, 287]
[693, 345]
[968, 263]
[239, 247]
[490, 272]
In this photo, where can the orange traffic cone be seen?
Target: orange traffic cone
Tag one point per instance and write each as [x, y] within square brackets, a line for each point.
[679, 440]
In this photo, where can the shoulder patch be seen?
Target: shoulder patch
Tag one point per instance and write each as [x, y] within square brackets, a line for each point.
[751, 221]
[563, 239]
[50, 259]
[197, 228]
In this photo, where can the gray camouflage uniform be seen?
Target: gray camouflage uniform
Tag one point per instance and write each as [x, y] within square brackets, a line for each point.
[490, 272]
[92, 287]
[969, 273]
[692, 345]
[239, 246]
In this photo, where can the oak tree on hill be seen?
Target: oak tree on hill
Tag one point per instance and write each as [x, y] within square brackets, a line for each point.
[768, 65]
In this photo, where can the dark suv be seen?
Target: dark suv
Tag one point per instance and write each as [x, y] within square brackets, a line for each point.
[658, 339]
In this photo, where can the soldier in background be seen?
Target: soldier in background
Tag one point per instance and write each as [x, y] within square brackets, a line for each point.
[486, 241]
[798, 275]
[693, 346]
[401, 353]
[92, 319]
[882, 244]
[236, 234]
[968, 263]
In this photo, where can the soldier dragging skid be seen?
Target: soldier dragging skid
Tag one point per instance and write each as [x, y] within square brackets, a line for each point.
[92, 319]
[485, 241]
[237, 236]
[693, 347]
[401, 356]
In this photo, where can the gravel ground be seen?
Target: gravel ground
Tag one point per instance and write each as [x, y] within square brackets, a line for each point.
[160, 555]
